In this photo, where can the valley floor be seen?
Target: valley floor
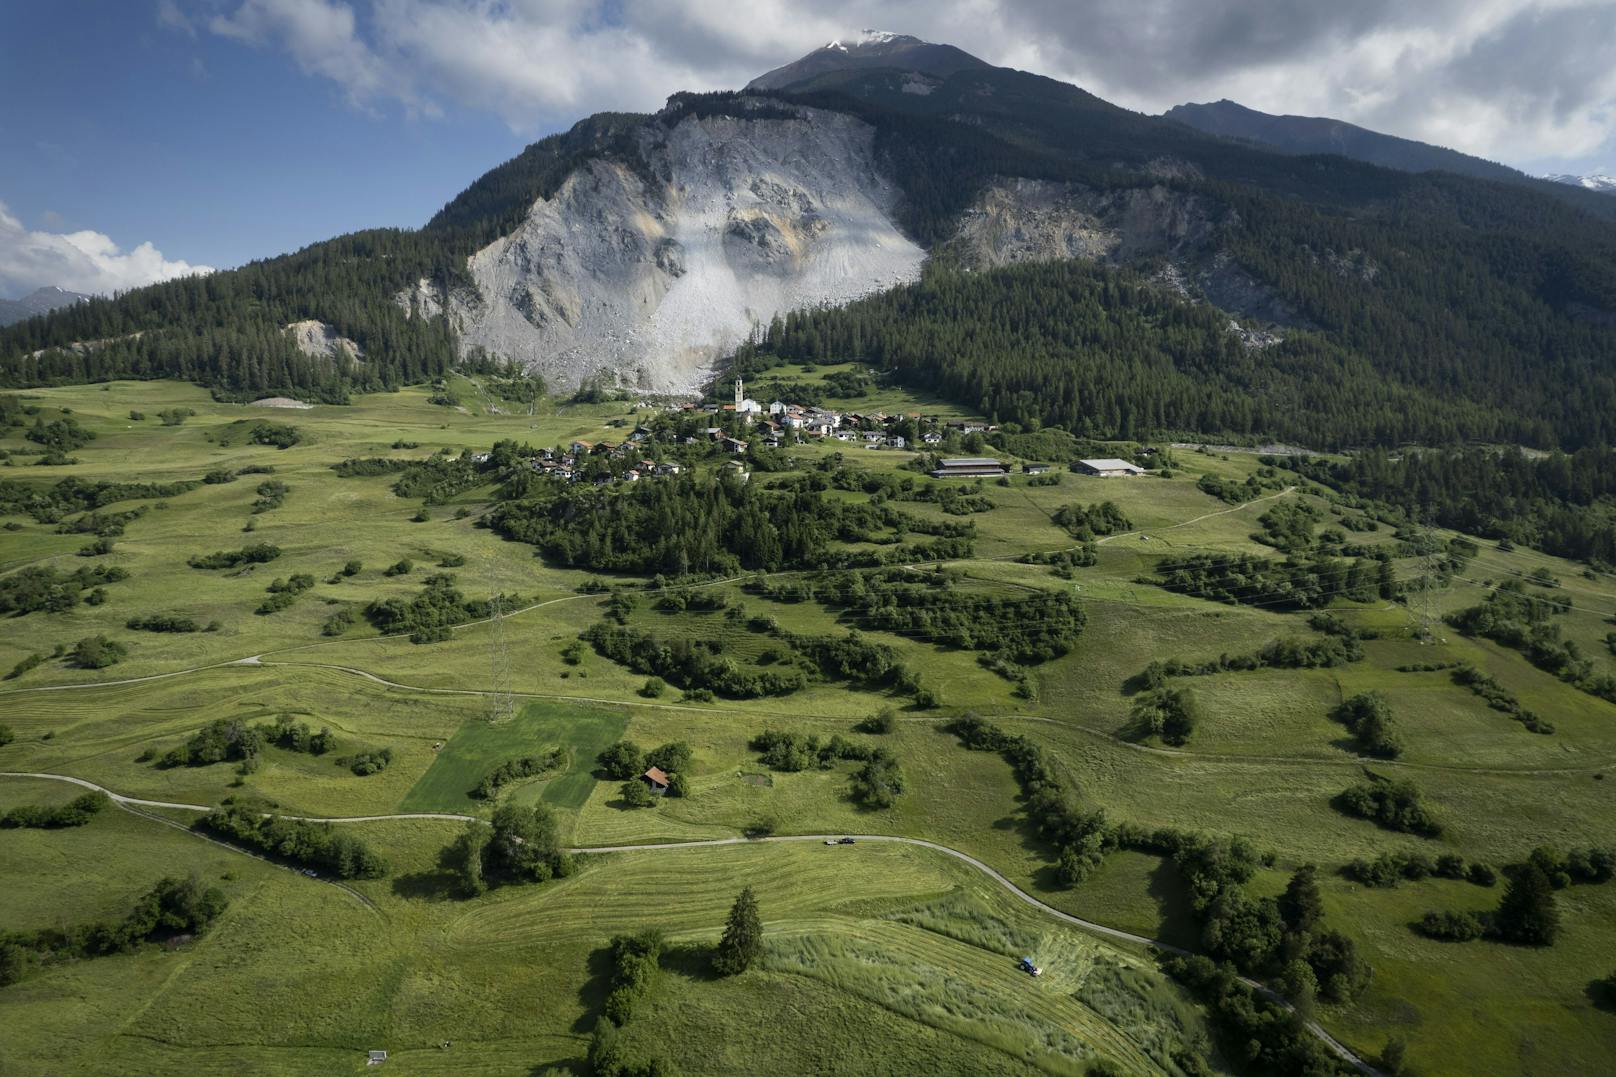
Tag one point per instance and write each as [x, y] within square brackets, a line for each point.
[900, 950]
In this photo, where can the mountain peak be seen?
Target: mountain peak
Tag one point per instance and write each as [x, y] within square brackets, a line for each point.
[39, 301]
[869, 50]
[867, 38]
[1604, 182]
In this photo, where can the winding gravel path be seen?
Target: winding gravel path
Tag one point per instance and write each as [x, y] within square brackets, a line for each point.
[135, 805]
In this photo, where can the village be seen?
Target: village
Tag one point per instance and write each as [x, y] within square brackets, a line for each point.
[740, 430]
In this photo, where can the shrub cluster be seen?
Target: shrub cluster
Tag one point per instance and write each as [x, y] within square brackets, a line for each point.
[1368, 716]
[368, 762]
[1168, 713]
[314, 845]
[172, 907]
[1084, 524]
[257, 553]
[40, 588]
[271, 495]
[1498, 698]
[162, 622]
[428, 617]
[515, 769]
[76, 812]
[283, 593]
[1388, 804]
[1292, 584]
[523, 844]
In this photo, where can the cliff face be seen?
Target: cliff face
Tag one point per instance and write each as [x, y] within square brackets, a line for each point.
[644, 277]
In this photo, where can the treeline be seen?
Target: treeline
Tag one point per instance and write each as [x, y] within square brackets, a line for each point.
[172, 908]
[226, 330]
[1559, 503]
[1282, 937]
[76, 812]
[52, 504]
[690, 664]
[876, 784]
[231, 740]
[1295, 584]
[1515, 618]
[521, 845]
[39, 588]
[313, 845]
[1393, 805]
[428, 617]
[712, 526]
[257, 553]
[1527, 914]
[1105, 354]
[933, 606]
[529, 766]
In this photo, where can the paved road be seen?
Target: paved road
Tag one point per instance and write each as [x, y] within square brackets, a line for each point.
[1340, 1049]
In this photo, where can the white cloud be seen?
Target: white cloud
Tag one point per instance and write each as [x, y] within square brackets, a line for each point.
[1510, 79]
[78, 261]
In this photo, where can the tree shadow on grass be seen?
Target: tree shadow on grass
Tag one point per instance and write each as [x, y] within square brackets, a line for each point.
[427, 885]
[1177, 922]
[1602, 993]
[691, 960]
[595, 989]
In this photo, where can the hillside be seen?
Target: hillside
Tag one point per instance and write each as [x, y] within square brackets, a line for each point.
[1122, 695]
[39, 301]
[1492, 304]
[1317, 134]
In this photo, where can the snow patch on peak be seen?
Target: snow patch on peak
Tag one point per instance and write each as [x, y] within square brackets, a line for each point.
[868, 37]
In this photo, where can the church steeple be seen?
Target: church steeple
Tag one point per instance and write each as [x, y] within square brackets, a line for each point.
[739, 396]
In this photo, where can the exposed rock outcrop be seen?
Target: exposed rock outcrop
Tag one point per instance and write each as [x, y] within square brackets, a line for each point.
[321, 341]
[645, 277]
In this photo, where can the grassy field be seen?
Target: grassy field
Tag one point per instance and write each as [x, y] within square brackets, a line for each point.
[905, 960]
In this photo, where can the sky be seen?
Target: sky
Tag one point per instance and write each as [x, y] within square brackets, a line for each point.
[142, 139]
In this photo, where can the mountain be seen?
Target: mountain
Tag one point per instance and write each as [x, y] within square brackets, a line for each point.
[1600, 182]
[1221, 287]
[1317, 134]
[872, 49]
[39, 301]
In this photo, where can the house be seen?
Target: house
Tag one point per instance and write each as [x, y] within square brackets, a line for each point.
[1035, 469]
[669, 468]
[777, 407]
[896, 441]
[872, 438]
[582, 448]
[1107, 467]
[969, 467]
[736, 468]
[656, 779]
[375, 1058]
[931, 437]
[732, 445]
[631, 475]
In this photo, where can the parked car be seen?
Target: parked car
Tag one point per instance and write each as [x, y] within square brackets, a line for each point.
[845, 841]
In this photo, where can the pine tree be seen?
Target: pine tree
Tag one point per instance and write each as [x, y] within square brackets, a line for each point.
[743, 936]
[1527, 913]
[1301, 905]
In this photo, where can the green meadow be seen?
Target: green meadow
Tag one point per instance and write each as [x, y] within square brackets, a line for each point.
[900, 957]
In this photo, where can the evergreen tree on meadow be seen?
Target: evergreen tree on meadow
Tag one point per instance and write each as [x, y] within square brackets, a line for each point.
[1527, 913]
[743, 936]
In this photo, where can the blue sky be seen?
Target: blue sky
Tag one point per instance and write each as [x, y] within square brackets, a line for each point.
[144, 138]
[215, 151]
